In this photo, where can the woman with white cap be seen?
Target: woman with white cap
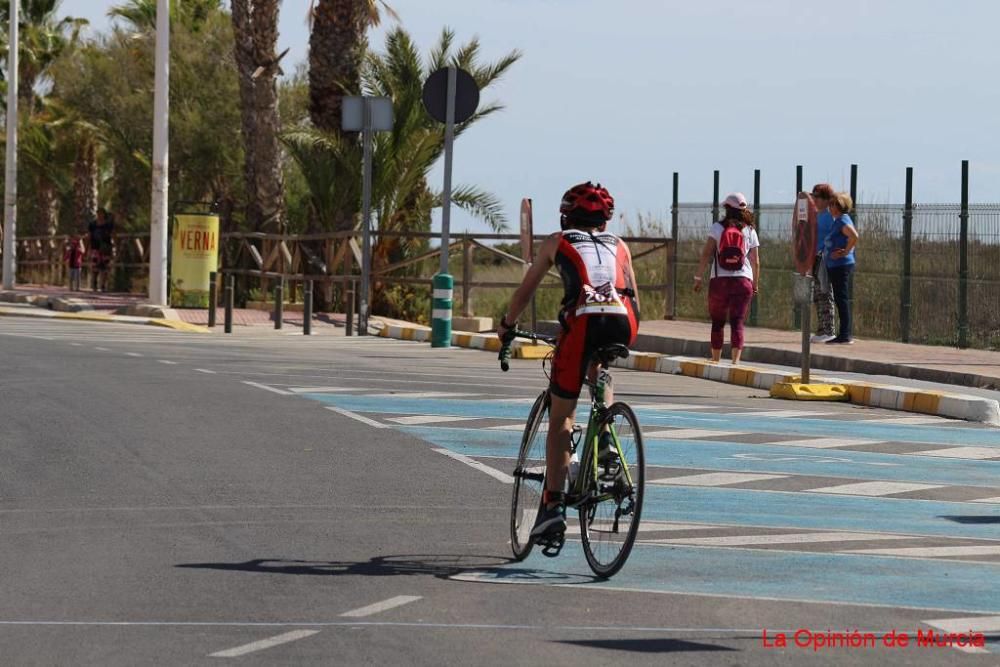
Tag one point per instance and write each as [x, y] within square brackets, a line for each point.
[732, 243]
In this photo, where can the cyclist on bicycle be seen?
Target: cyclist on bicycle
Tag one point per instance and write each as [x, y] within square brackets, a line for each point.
[600, 307]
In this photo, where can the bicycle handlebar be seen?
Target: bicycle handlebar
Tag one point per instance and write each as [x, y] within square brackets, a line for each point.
[505, 350]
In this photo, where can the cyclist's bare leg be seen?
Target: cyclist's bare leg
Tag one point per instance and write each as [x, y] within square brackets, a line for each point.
[557, 443]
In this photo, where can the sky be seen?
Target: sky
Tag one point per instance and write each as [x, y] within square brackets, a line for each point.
[630, 91]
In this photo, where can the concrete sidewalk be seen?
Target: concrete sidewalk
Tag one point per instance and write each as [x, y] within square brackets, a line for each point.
[930, 363]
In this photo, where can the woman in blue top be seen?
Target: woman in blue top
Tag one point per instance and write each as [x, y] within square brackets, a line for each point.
[839, 254]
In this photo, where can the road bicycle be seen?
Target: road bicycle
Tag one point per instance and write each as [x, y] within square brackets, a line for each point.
[607, 492]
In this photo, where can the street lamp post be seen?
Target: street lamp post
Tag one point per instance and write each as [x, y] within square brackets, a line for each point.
[161, 111]
[10, 184]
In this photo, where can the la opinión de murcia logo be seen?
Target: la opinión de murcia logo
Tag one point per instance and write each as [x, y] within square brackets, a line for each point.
[804, 638]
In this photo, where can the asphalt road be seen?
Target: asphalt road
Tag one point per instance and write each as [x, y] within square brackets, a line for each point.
[174, 498]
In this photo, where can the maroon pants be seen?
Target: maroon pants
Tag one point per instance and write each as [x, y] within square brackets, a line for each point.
[728, 299]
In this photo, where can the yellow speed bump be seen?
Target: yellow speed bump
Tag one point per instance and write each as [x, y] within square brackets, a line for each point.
[810, 392]
[178, 325]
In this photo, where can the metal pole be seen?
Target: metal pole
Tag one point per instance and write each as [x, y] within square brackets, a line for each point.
[213, 298]
[279, 302]
[797, 310]
[449, 140]
[675, 215]
[228, 289]
[854, 193]
[756, 218]
[161, 146]
[349, 297]
[307, 308]
[715, 195]
[904, 297]
[10, 184]
[963, 262]
[467, 248]
[806, 343]
[366, 219]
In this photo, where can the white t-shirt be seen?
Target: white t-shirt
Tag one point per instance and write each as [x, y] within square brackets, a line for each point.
[750, 241]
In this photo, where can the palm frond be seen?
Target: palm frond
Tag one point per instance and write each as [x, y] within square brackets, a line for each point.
[483, 205]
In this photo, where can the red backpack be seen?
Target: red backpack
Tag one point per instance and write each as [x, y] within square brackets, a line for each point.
[732, 249]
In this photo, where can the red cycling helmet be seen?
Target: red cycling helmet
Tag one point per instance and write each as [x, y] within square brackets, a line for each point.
[588, 203]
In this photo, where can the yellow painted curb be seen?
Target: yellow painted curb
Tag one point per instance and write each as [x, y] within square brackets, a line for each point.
[810, 392]
[531, 351]
[177, 325]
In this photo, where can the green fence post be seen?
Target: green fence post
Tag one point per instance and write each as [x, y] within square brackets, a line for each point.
[715, 196]
[675, 214]
[756, 218]
[441, 310]
[797, 309]
[963, 262]
[905, 289]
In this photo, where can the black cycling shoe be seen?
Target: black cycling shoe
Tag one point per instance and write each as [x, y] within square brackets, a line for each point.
[550, 522]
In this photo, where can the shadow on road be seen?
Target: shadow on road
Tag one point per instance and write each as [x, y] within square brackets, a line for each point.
[443, 566]
[654, 645]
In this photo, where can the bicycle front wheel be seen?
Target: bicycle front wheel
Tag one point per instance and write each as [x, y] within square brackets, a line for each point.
[610, 522]
[529, 478]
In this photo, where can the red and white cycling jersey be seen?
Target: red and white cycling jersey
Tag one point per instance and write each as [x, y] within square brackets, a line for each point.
[594, 268]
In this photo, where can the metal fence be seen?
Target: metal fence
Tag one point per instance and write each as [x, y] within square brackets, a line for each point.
[928, 278]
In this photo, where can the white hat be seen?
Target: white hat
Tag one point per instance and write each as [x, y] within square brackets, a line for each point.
[735, 200]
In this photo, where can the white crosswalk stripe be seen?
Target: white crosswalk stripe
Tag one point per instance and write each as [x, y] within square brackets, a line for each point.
[824, 443]
[978, 453]
[933, 552]
[715, 479]
[786, 538]
[874, 488]
[417, 420]
[691, 433]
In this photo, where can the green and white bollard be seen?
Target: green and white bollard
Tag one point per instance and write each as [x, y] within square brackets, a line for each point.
[441, 310]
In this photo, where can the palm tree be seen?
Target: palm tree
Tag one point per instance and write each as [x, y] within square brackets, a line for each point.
[402, 158]
[141, 14]
[255, 28]
[43, 39]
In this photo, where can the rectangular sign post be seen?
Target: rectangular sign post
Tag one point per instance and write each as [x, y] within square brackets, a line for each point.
[195, 259]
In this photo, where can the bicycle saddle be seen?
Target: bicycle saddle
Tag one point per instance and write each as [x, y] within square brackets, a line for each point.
[609, 353]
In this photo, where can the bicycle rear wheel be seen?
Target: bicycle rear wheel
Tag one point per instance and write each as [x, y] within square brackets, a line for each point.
[609, 524]
[529, 478]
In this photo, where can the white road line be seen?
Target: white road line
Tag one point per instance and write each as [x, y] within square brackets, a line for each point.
[205, 370]
[573, 527]
[987, 500]
[714, 479]
[825, 443]
[932, 552]
[690, 433]
[167, 362]
[542, 428]
[357, 417]
[680, 407]
[421, 394]
[981, 624]
[379, 607]
[787, 538]
[873, 488]
[323, 390]
[416, 420]
[77, 344]
[481, 467]
[102, 349]
[783, 413]
[929, 419]
[264, 643]
[978, 453]
[266, 388]
[133, 354]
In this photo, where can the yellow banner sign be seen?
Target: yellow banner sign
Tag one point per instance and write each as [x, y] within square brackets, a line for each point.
[195, 255]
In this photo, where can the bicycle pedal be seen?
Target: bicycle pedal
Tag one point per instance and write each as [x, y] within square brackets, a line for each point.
[552, 545]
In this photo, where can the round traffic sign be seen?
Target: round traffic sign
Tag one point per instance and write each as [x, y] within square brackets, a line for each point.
[436, 95]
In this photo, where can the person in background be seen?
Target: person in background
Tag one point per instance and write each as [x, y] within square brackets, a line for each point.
[732, 244]
[839, 256]
[101, 248]
[822, 193]
[73, 256]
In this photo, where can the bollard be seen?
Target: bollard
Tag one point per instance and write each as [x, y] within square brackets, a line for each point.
[279, 303]
[213, 298]
[349, 298]
[229, 303]
[307, 308]
[441, 310]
